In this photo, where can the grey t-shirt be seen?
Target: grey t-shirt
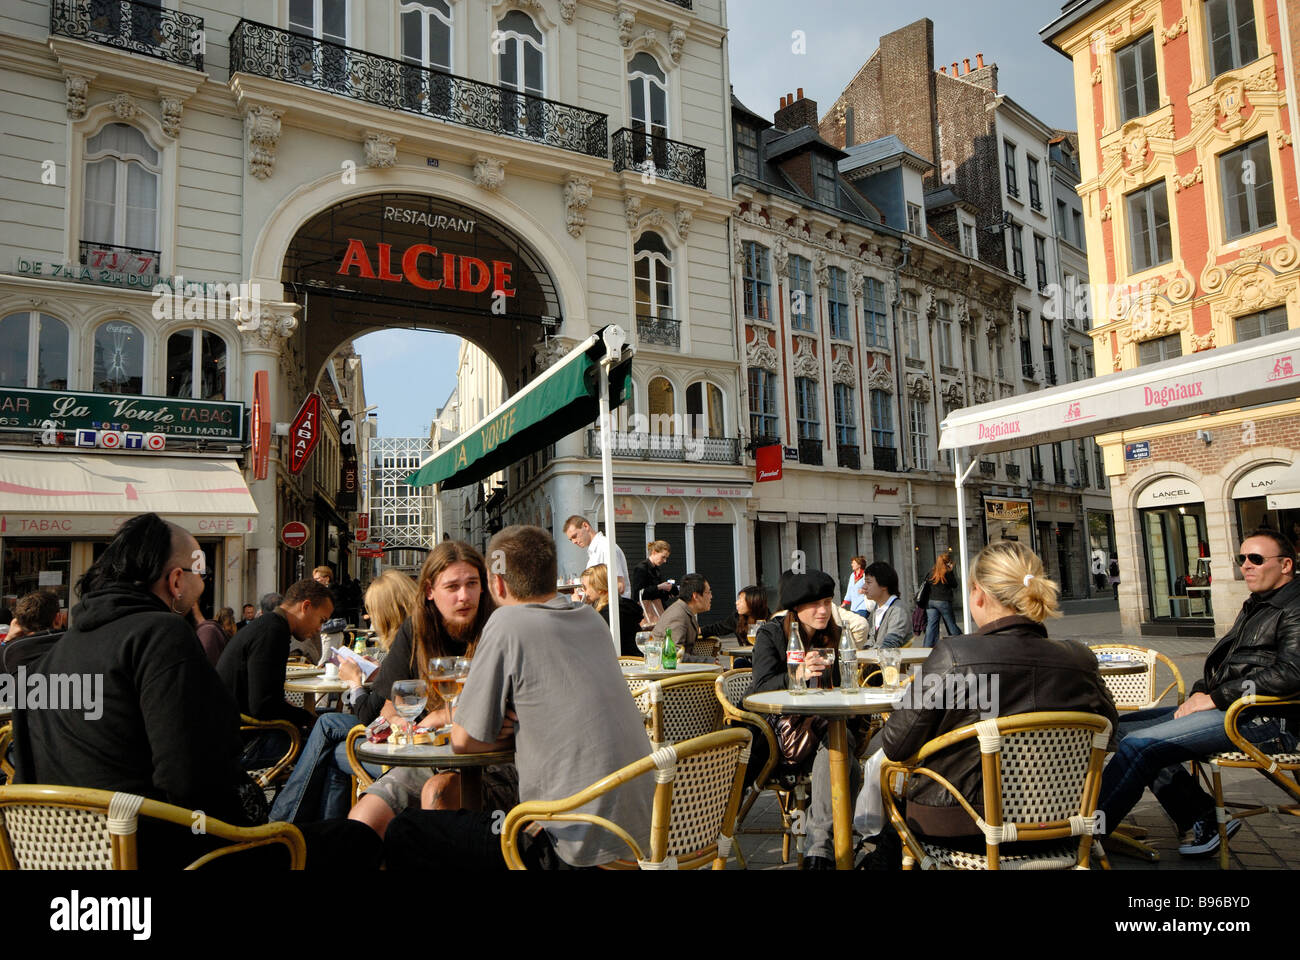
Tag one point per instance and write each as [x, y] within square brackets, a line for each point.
[553, 663]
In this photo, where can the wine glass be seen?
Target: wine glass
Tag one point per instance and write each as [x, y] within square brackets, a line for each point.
[642, 638]
[409, 698]
[461, 674]
[825, 655]
[442, 672]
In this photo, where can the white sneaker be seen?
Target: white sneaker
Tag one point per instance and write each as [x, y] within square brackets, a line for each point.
[1205, 837]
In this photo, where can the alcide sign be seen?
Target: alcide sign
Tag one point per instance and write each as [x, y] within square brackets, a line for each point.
[42, 410]
[421, 265]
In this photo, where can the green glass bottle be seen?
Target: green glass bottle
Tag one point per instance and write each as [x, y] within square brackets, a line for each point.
[670, 651]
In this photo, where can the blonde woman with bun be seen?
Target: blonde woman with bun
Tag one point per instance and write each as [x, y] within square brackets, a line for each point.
[649, 578]
[1018, 669]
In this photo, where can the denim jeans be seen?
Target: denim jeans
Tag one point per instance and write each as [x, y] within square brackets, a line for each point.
[934, 610]
[320, 786]
[1153, 753]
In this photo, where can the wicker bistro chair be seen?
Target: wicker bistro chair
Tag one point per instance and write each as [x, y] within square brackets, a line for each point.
[73, 828]
[1248, 756]
[705, 647]
[678, 708]
[1042, 774]
[791, 791]
[1137, 691]
[630, 661]
[697, 791]
[267, 776]
[6, 740]
[361, 778]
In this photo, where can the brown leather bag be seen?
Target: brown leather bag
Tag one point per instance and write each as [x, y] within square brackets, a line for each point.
[797, 738]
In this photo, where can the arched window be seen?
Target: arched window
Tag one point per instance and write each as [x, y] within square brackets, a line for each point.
[521, 62]
[662, 407]
[33, 351]
[647, 86]
[426, 41]
[121, 189]
[704, 408]
[119, 358]
[196, 365]
[653, 263]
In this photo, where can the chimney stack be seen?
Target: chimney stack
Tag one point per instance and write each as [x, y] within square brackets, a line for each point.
[796, 111]
[944, 71]
[955, 71]
[979, 61]
[782, 106]
[967, 62]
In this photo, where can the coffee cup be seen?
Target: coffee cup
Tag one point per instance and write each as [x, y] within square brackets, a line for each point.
[331, 671]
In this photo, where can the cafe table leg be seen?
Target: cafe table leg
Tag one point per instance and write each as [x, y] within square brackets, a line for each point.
[471, 788]
[841, 815]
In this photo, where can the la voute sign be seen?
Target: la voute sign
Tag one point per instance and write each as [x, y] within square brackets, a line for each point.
[304, 433]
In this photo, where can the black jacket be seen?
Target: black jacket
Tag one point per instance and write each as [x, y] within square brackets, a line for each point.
[169, 729]
[1263, 647]
[1033, 673]
[770, 671]
[629, 622]
[646, 578]
[24, 651]
[253, 669]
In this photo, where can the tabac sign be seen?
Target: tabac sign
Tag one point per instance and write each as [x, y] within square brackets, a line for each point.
[41, 411]
[304, 433]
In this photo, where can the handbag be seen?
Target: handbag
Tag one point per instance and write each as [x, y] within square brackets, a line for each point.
[797, 738]
[919, 617]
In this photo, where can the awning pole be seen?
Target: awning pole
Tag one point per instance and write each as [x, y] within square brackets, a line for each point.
[961, 473]
[607, 483]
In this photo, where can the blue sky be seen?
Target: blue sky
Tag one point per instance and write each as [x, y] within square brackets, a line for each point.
[410, 373]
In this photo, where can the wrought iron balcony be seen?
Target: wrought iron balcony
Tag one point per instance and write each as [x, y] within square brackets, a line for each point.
[987, 468]
[129, 260]
[660, 331]
[685, 4]
[848, 455]
[810, 452]
[650, 154]
[1013, 471]
[266, 51]
[648, 446]
[885, 458]
[133, 26]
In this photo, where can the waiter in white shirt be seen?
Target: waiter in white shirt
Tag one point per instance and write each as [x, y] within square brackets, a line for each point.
[580, 534]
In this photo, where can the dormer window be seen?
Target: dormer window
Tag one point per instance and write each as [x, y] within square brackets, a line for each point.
[915, 220]
[824, 190]
[746, 150]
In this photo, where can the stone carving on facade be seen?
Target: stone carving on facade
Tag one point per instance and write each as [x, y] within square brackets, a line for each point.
[1283, 257]
[953, 395]
[124, 107]
[980, 390]
[1177, 29]
[632, 211]
[918, 385]
[76, 85]
[1183, 182]
[1105, 212]
[805, 362]
[1096, 76]
[682, 218]
[567, 9]
[547, 351]
[170, 109]
[1283, 139]
[654, 217]
[1205, 109]
[577, 194]
[1200, 343]
[821, 269]
[1263, 80]
[1251, 289]
[676, 40]
[1152, 320]
[780, 256]
[842, 371]
[1117, 363]
[379, 149]
[265, 326]
[761, 354]
[490, 173]
[856, 276]
[625, 19]
[263, 125]
[1229, 101]
[880, 378]
[738, 251]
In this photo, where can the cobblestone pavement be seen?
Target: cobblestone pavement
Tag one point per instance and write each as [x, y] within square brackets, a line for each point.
[1268, 841]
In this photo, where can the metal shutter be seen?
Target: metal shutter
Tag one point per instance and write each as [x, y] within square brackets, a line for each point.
[715, 557]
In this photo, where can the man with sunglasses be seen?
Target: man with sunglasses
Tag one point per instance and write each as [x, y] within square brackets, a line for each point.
[1260, 655]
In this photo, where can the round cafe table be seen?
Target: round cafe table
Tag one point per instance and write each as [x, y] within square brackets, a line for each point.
[1119, 668]
[317, 687]
[637, 671]
[470, 765]
[836, 706]
[910, 655]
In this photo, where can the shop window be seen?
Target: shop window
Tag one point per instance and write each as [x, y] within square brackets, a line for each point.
[119, 358]
[35, 564]
[196, 365]
[1178, 562]
[33, 351]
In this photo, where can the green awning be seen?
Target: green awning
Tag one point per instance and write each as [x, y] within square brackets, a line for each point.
[564, 399]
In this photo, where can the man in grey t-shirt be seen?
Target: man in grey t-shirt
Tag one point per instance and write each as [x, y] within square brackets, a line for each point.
[544, 675]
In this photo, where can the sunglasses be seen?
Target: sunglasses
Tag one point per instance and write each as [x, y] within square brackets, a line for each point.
[1256, 559]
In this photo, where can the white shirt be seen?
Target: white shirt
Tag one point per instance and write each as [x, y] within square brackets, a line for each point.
[878, 613]
[598, 556]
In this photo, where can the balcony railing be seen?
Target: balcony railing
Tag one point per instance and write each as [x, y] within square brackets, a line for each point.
[1013, 471]
[648, 153]
[848, 456]
[265, 51]
[659, 330]
[648, 446]
[135, 27]
[686, 4]
[987, 468]
[885, 458]
[810, 452]
[135, 261]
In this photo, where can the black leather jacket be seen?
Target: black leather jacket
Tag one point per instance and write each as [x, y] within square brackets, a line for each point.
[1033, 673]
[1263, 648]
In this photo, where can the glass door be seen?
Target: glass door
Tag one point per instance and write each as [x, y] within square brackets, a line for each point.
[1178, 562]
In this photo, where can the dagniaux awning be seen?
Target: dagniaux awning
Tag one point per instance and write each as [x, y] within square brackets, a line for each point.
[563, 399]
[70, 483]
[1266, 370]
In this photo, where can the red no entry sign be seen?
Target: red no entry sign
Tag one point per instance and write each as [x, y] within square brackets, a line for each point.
[294, 534]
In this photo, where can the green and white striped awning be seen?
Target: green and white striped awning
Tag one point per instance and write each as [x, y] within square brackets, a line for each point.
[563, 399]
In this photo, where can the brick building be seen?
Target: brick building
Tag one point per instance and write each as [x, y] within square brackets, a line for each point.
[1189, 190]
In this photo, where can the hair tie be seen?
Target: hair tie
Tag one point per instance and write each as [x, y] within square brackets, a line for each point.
[1028, 577]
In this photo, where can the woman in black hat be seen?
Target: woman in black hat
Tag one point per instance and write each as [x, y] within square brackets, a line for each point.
[807, 600]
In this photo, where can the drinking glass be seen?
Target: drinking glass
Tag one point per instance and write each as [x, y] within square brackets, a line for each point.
[824, 655]
[753, 633]
[890, 660]
[462, 674]
[654, 652]
[409, 698]
[446, 680]
[642, 638]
